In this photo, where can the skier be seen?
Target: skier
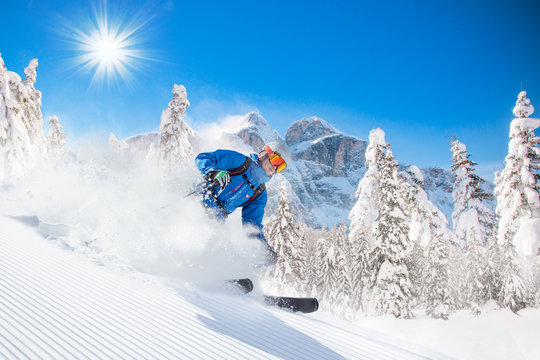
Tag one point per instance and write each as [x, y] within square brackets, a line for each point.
[234, 180]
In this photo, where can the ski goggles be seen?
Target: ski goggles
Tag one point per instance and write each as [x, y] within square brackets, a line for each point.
[275, 159]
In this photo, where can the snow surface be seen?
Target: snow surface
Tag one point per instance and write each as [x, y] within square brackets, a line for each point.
[498, 334]
[57, 304]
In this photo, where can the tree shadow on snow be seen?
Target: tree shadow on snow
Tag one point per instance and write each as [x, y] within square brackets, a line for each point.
[257, 327]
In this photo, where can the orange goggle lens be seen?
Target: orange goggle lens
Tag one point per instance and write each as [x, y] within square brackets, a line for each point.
[275, 159]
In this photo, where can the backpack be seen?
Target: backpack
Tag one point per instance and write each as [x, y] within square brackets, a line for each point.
[240, 171]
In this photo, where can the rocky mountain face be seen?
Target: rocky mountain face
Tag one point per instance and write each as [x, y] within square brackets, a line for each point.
[329, 165]
[317, 141]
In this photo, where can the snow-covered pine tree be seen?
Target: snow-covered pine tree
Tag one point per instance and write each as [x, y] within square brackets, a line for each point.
[335, 284]
[513, 293]
[476, 289]
[427, 259]
[517, 185]
[474, 226]
[313, 257]
[535, 283]
[21, 125]
[344, 285]
[362, 216]
[174, 144]
[285, 236]
[472, 220]
[56, 138]
[416, 263]
[438, 280]
[323, 272]
[492, 277]
[419, 234]
[391, 291]
[300, 261]
[518, 203]
[329, 272]
[31, 104]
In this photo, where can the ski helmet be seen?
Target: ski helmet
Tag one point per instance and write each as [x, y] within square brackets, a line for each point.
[275, 148]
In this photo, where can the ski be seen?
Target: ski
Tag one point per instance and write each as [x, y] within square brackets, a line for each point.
[295, 304]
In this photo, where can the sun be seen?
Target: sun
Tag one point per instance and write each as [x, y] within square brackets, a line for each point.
[108, 48]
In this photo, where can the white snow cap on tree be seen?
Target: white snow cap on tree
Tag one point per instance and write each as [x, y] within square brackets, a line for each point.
[30, 71]
[377, 141]
[174, 145]
[32, 110]
[21, 121]
[180, 102]
[56, 137]
[416, 173]
[523, 106]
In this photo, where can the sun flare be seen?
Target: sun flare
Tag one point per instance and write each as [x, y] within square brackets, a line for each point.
[109, 49]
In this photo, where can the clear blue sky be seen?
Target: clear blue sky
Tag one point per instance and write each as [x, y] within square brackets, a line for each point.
[421, 70]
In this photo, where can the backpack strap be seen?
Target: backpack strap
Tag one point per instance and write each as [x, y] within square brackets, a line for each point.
[242, 168]
[258, 191]
[240, 171]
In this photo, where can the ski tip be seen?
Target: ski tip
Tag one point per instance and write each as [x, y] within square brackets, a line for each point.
[244, 285]
[315, 304]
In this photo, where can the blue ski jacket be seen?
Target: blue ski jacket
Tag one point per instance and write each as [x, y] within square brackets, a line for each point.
[238, 192]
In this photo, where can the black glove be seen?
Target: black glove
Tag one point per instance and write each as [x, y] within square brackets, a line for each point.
[219, 177]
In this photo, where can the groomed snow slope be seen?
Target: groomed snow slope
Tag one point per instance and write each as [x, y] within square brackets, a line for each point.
[57, 304]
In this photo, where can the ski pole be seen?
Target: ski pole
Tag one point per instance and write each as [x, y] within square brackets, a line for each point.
[202, 186]
[209, 189]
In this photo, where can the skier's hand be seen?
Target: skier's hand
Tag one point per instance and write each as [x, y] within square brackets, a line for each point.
[220, 177]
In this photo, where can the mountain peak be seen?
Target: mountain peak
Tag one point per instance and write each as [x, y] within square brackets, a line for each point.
[255, 119]
[307, 129]
[256, 131]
